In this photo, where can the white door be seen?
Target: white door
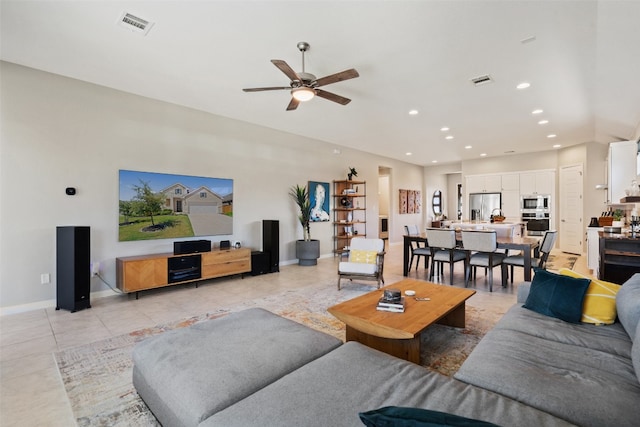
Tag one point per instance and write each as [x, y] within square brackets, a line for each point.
[570, 233]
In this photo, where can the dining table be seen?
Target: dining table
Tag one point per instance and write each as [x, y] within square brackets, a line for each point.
[520, 243]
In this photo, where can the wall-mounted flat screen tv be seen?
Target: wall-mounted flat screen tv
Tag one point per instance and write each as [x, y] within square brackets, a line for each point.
[166, 206]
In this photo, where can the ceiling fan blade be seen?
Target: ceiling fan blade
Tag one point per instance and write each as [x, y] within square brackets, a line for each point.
[332, 97]
[337, 77]
[284, 67]
[260, 89]
[293, 104]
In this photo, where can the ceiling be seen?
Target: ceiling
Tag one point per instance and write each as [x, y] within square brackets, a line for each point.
[580, 58]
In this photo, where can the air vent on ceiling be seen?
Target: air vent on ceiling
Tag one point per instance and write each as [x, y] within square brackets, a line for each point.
[482, 80]
[135, 23]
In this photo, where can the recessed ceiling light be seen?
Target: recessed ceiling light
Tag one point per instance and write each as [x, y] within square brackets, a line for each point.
[408, 153]
[444, 129]
[543, 122]
[434, 161]
[551, 135]
[557, 145]
[448, 137]
[483, 155]
[523, 85]
[337, 151]
[468, 147]
[413, 112]
[537, 111]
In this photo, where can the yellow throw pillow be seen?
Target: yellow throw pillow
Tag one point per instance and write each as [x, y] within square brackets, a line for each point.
[366, 257]
[599, 306]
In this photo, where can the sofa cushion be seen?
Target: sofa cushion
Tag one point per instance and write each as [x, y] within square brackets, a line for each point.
[396, 416]
[628, 304]
[547, 364]
[557, 296]
[599, 306]
[357, 267]
[609, 339]
[185, 375]
[333, 389]
[635, 352]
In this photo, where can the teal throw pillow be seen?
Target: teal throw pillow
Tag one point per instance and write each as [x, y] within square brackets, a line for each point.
[557, 296]
[396, 416]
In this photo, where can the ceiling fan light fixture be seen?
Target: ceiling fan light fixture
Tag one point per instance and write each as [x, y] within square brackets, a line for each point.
[303, 94]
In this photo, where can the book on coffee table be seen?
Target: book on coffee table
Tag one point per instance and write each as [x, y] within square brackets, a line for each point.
[391, 305]
[391, 309]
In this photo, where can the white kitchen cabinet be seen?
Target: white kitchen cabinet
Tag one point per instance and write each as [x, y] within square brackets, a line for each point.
[484, 184]
[622, 168]
[542, 182]
[510, 181]
[511, 204]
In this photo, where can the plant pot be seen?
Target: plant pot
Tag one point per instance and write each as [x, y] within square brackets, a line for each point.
[307, 252]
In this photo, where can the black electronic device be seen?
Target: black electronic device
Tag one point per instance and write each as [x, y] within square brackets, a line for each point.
[225, 244]
[183, 268]
[259, 263]
[392, 295]
[70, 191]
[271, 243]
[73, 268]
[191, 247]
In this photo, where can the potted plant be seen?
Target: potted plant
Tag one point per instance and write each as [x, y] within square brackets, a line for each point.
[617, 218]
[352, 173]
[307, 249]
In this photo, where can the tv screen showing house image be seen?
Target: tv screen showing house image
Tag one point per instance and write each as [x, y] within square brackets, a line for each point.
[167, 206]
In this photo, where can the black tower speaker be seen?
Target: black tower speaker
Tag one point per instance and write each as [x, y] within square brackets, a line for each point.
[271, 243]
[73, 270]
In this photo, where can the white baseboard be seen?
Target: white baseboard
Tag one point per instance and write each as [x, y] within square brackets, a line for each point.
[41, 305]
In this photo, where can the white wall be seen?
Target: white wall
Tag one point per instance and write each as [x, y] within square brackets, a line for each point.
[58, 132]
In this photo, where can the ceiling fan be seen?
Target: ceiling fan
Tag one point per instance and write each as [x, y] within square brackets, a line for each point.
[304, 86]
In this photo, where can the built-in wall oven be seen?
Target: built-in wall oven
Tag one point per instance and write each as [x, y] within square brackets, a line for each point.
[535, 211]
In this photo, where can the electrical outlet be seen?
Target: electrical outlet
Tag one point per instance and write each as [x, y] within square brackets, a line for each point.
[45, 278]
[95, 268]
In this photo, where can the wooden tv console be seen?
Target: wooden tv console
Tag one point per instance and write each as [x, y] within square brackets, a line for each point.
[143, 272]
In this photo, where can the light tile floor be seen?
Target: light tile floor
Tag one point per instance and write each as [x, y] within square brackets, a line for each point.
[31, 392]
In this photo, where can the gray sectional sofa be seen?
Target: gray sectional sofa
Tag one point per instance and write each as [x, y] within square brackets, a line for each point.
[254, 368]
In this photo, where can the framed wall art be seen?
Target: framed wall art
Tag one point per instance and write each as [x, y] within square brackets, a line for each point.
[319, 198]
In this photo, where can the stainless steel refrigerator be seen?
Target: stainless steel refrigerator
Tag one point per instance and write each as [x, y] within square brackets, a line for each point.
[482, 205]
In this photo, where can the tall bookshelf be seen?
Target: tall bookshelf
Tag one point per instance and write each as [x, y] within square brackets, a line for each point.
[349, 213]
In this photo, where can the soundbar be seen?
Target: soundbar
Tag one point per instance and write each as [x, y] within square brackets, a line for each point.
[191, 247]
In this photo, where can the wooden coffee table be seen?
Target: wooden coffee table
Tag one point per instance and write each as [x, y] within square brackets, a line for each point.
[398, 334]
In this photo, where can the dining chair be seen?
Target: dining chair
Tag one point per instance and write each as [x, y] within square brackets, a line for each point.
[548, 241]
[366, 261]
[442, 242]
[481, 247]
[416, 248]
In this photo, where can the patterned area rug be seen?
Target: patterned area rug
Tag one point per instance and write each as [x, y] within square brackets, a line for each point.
[97, 376]
[556, 261]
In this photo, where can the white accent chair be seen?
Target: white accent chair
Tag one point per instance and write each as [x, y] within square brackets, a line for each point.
[366, 261]
[442, 243]
[548, 241]
[416, 249]
[481, 246]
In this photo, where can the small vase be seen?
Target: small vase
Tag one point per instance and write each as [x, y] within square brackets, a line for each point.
[349, 177]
